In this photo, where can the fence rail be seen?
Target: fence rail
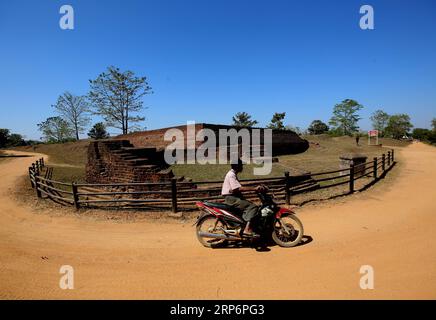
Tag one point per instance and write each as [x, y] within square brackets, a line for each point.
[172, 194]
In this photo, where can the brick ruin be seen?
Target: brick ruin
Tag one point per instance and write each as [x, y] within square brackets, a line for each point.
[139, 156]
[283, 141]
[118, 161]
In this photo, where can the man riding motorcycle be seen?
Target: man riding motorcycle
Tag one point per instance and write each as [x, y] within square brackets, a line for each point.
[232, 193]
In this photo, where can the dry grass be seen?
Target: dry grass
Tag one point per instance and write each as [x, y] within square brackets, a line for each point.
[69, 159]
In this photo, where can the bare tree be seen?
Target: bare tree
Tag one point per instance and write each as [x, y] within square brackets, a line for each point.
[74, 110]
[117, 95]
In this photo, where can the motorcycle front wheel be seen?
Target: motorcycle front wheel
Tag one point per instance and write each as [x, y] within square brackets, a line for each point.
[288, 231]
[211, 224]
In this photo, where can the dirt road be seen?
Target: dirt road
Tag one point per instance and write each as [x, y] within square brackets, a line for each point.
[390, 227]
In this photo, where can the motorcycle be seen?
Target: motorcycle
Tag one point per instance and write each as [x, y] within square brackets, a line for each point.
[220, 223]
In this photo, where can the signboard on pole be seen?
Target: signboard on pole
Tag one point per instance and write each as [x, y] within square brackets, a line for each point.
[373, 133]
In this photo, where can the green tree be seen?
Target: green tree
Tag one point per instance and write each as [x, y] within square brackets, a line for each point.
[74, 110]
[345, 117]
[243, 119]
[379, 120]
[98, 131]
[318, 127]
[4, 136]
[56, 129]
[398, 126]
[421, 134]
[433, 124]
[15, 140]
[117, 96]
[277, 121]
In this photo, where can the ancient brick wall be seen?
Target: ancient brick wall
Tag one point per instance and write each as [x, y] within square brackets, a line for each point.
[283, 142]
[118, 161]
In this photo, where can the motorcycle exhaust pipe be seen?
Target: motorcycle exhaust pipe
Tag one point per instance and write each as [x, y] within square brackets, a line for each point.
[217, 236]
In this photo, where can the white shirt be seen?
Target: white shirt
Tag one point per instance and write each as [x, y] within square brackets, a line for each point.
[230, 183]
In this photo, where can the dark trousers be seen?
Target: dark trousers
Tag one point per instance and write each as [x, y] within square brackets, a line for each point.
[248, 208]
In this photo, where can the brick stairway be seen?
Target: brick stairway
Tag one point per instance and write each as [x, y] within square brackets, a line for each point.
[118, 161]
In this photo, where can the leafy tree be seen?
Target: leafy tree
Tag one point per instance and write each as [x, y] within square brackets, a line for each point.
[56, 129]
[433, 124]
[424, 135]
[243, 119]
[379, 121]
[421, 134]
[16, 140]
[98, 131]
[345, 117]
[398, 126]
[4, 136]
[74, 110]
[117, 96]
[277, 121]
[318, 127]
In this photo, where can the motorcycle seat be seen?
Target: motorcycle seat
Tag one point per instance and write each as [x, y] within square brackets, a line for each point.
[221, 205]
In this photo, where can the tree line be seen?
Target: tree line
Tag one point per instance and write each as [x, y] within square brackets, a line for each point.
[114, 95]
[344, 121]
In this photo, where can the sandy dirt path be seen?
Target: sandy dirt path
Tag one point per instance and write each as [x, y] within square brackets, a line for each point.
[391, 227]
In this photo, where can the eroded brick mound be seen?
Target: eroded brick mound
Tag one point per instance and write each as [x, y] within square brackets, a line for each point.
[118, 161]
[283, 141]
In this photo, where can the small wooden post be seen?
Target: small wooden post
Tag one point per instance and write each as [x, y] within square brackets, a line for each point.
[42, 162]
[392, 155]
[30, 177]
[287, 188]
[389, 159]
[374, 166]
[383, 162]
[351, 177]
[174, 195]
[34, 169]
[75, 196]
[38, 192]
[37, 169]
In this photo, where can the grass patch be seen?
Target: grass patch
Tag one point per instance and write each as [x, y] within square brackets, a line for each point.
[69, 159]
[323, 155]
[69, 153]
[210, 172]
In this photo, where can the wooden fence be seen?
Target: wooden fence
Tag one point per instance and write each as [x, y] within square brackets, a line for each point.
[176, 195]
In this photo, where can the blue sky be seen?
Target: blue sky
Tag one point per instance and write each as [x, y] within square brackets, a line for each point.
[207, 60]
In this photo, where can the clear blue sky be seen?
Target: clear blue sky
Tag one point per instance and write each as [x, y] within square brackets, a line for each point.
[206, 60]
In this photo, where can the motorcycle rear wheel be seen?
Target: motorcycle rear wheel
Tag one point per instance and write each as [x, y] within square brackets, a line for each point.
[211, 224]
[281, 237]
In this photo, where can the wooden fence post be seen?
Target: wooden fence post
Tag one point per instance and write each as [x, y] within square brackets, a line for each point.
[30, 177]
[392, 155]
[75, 196]
[174, 195]
[38, 192]
[287, 188]
[389, 159]
[351, 177]
[383, 162]
[42, 162]
[374, 166]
